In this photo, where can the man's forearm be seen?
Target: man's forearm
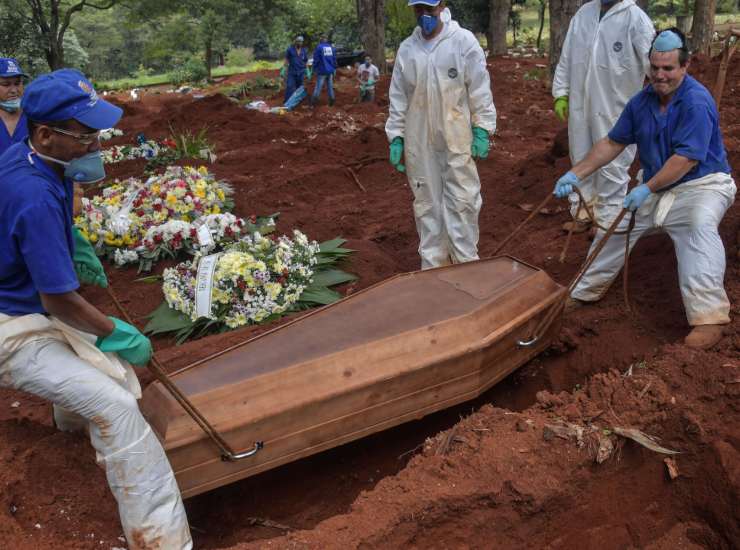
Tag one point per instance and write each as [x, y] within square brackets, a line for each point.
[601, 154]
[673, 170]
[77, 312]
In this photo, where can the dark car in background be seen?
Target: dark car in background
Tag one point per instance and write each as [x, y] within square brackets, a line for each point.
[348, 57]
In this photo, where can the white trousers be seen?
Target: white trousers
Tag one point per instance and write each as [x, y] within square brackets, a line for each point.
[139, 475]
[690, 214]
[447, 202]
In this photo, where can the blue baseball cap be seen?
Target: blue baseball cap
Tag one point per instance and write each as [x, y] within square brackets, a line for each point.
[10, 67]
[67, 95]
[431, 3]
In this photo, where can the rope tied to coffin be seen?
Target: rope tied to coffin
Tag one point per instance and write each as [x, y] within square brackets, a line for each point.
[157, 369]
[557, 307]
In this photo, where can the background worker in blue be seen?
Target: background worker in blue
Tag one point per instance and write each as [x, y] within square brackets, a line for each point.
[295, 68]
[55, 344]
[325, 66]
[12, 120]
[686, 191]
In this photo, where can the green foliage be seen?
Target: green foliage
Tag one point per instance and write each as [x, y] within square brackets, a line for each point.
[400, 22]
[192, 71]
[239, 57]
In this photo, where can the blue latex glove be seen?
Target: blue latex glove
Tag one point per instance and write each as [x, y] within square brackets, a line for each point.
[283, 72]
[309, 73]
[87, 266]
[397, 154]
[481, 144]
[565, 185]
[127, 342]
[636, 197]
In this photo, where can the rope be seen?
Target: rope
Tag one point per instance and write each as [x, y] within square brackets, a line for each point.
[156, 368]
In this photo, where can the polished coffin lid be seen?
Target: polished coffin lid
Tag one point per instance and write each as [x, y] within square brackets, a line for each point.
[412, 344]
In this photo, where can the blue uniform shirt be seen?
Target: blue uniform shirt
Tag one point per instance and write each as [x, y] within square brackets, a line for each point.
[325, 59]
[296, 61]
[19, 134]
[688, 127]
[36, 243]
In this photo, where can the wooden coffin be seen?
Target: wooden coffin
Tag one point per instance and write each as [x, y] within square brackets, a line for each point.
[406, 347]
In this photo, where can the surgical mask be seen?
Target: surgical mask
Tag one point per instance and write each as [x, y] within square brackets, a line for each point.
[86, 169]
[11, 105]
[427, 23]
[367, 63]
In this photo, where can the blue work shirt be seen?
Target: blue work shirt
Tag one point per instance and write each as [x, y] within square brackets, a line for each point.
[36, 245]
[688, 127]
[19, 134]
[325, 59]
[296, 61]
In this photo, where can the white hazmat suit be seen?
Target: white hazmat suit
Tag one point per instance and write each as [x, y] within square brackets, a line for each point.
[602, 65]
[439, 90]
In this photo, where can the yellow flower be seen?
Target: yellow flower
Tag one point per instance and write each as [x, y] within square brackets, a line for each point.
[93, 238]
[220, 194]
[215, 209]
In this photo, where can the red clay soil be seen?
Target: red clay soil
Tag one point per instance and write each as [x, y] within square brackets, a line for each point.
[484, 474]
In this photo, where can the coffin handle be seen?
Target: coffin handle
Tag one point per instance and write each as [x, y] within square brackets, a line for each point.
[233, 457]
[528, 343]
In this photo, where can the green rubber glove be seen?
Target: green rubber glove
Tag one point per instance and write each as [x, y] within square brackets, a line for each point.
[481, 144]
[397, 154]
[127, 342]
[309, 73]
[561, 108]
[89, 269]
[283, 72]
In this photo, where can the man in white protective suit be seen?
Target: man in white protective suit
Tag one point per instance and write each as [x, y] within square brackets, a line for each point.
[55, 344]
[441, 117]
[687, 187]
[603, 63]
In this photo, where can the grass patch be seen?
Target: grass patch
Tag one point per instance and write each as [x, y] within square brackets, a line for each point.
[161, 79]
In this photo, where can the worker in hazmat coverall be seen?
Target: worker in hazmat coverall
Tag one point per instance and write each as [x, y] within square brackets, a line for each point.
[687, 187]
[602, 65]
[53, 343]
[12, 120]
[441, 117]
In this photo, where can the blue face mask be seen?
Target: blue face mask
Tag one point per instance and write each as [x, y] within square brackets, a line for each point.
[11, 105]
[86, 169]
[428, 24]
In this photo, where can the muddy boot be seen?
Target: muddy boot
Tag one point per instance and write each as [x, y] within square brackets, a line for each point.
[704, 336]
[572, 304]
[578, 227]
[331, 102]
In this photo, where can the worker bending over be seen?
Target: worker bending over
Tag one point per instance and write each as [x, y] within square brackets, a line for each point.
[686, 187]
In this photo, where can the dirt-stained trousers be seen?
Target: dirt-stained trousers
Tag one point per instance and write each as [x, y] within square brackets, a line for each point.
[447, 202]
[690, 216]
[138, 472]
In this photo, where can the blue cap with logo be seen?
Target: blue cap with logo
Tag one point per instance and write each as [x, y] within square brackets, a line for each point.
[9, 67]
[67, 95]
[424, 2]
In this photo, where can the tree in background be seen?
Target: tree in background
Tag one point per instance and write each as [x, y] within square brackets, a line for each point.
[498, 21]
[51, 20]
[371, 17]
[561, 12]
[400, 22]
[703, 26]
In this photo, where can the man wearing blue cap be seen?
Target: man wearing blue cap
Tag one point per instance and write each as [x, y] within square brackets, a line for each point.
[53, 343]
[685, 191]
[603, 63]
[295, 68]
[13, 121]
[440, 117]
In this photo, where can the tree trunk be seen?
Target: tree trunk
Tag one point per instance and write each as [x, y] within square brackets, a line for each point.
[561, 12]
[543, 5]
[703, 26]
[209, 56]
[371, 15]
[498, 19]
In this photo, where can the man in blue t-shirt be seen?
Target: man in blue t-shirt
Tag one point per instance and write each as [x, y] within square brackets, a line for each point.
[295, 67]
[685, 188]
[325, 65]
[12, 120]
[46, 326]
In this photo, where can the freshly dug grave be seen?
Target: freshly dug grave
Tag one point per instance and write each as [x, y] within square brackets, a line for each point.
[490, 479]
